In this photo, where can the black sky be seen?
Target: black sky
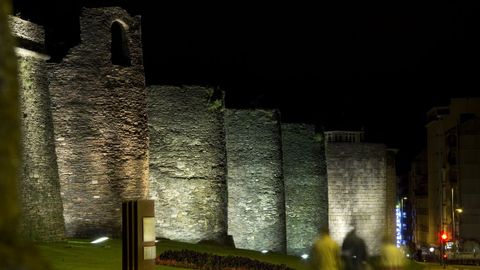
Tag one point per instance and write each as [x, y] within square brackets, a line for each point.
[334, 65]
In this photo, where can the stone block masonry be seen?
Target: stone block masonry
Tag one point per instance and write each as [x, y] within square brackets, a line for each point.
[306, 200]
[100, 121]
[187, 163]
[391, 194]
[357, 191]
[256, 199]
[41, 203]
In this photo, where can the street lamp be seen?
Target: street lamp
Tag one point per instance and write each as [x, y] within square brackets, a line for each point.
[454, 235]
[455, 227]
[458, 210]
[402, 204]
[403, 219]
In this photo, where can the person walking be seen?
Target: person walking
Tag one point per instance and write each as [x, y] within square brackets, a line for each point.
[354, 252]
[391, 257]
[326, 252]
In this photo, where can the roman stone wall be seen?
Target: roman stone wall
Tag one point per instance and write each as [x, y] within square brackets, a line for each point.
[187, 163]
[40, 200]
[256, 200]
[357, 191]
[391, 196]
[99, 113]
[304, 171]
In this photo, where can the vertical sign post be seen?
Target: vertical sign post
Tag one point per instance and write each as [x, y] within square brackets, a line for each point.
[138, 235]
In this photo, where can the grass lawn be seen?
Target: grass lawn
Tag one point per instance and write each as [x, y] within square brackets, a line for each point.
[81, 255]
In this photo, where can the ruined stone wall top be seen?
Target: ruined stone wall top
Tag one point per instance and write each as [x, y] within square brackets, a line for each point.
[95, 35]
[27, 30]
[100, 121]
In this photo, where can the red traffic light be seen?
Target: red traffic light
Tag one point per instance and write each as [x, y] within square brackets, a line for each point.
[444, 236]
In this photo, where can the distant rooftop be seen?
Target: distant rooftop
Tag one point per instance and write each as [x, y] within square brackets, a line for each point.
[344, 136]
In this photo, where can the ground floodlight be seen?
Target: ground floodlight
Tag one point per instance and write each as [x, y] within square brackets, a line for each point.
[99, 240]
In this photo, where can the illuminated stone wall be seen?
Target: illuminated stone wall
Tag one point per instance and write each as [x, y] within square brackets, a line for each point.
[391, 196]
[42, 211]
[357, 191]
[256, 201]
[187, 163]
[101, 133]
[305, 179]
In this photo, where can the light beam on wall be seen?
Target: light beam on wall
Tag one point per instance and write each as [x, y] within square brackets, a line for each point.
[27, 53]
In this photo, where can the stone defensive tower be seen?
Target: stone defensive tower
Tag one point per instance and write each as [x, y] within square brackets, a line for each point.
[187, 163]
[305, 178]
[42, 210]
[99, 113]
[356, 187]
[256, 200]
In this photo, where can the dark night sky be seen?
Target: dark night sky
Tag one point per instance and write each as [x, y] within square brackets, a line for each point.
[337, 66]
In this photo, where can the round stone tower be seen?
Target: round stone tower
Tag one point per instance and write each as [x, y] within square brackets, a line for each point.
[100, 121]
[304, 171]
[42, 210]
[187, 163]
[256, 198]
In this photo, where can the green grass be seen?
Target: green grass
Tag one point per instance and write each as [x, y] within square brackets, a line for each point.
[81, 255]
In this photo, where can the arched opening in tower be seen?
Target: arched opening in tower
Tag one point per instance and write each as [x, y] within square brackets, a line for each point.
[119, 46]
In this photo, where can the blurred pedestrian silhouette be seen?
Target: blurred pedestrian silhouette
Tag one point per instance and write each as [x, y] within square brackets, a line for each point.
[354, 252]
[326, 252]
[391, 257]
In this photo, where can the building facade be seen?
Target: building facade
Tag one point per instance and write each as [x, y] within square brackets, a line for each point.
[453, 140]
[418, 194]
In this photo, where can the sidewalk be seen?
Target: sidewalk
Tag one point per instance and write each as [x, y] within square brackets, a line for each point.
[437, 266]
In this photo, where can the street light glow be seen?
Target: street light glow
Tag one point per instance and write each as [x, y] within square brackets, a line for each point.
[459, 210]
[304, 256]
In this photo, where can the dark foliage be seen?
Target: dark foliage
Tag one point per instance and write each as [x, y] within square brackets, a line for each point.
[205, 261]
